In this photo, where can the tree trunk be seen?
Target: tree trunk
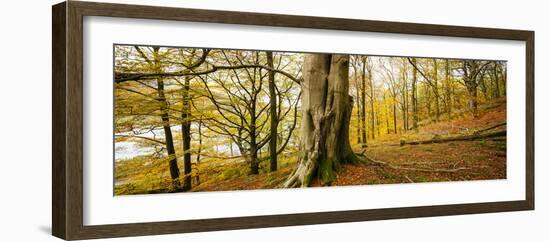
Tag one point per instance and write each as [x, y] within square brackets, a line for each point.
[404, 100]
[483, 85]
[387, 115]
[414, 97]
[495, 79]
[504, 79]
[472, 102]
[186, 135]
[273, 115]
[359, 119]
[436, 91]
[360, 124]
[199, 150]
[406, 103]
[428, 96]
[171, 151]
[371, 104]
[363, 95]
[326, 111]
[394, 115]
[448, 87]
[253, 150]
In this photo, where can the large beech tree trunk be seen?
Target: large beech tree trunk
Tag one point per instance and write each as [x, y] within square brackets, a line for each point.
[326, 111]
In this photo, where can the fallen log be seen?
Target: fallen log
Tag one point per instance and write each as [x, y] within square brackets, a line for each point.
[475, 136]
[490, 128]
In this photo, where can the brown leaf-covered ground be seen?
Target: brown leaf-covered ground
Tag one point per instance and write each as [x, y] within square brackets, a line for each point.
[464, 160]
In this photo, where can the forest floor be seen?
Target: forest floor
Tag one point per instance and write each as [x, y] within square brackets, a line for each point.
[482, 159]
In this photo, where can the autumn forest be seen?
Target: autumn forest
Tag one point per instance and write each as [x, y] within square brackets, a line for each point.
[197, 119]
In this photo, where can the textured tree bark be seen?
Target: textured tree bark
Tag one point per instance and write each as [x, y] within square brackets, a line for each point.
[326, 112]
[273, 115]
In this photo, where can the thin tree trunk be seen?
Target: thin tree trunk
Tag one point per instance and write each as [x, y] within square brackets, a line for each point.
[483, 85]
[387, 115]
[274, 122]
[253, 152]
[428, 94]
[472, 102]
[394, 116]
[363, 97]
[358, 91]
[414, 97]
[171, 151]
[504, 79]
[470, 80]
[405, 77]
[404, 97]
[359, 119]
[436, 91]
[186, 135]
[496, 80]
[448, 98]
[371, 82]
[199, 150]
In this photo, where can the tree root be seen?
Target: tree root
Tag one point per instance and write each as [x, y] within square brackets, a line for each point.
[301, 176]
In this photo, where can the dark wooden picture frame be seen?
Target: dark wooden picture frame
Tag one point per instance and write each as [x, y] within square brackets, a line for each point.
[67, 100]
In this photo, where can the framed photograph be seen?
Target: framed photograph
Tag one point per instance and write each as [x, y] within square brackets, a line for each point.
[171, 120]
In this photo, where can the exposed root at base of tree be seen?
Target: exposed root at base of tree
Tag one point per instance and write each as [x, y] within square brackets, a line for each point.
[359, 158]
[369, 160]
[302, 172]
